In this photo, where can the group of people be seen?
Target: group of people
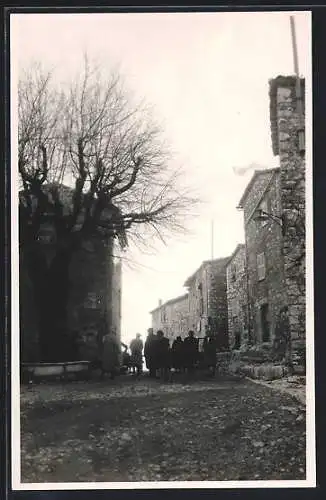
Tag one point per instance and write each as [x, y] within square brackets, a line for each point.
[161, 358]
[182, 356]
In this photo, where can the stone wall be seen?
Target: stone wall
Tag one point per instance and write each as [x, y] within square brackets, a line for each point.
[207, 289]
[254, 192]
[292, 166]
[199, 290]
[264, 240]
[116, 297]
[218, 305]
[95, 295]
[93, 305]
[237, 297]
[29, 335]
[172, 317]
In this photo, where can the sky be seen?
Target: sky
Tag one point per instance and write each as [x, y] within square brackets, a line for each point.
[206, 75]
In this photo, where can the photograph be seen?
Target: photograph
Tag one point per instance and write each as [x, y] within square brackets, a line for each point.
[162, 316]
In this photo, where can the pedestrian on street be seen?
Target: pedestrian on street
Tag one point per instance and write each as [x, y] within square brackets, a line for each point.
[136, 348]
[163, 355]
[126, 359]
[177, 354]
[110, 355]
[190, 352]
[282, 336]
[211, 355]
[149, 353]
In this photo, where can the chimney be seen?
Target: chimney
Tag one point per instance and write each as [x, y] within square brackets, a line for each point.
[159, 302]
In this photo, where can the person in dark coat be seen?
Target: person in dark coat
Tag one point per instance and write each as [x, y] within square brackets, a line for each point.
[136, 348]
[281, 342]
[211, 355]
[163, 355]
[177, 354]
[190, 352]
[126, 359]
[110, 356]
[149, 353]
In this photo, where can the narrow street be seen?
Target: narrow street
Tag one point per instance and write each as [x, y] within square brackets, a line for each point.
[143, 430]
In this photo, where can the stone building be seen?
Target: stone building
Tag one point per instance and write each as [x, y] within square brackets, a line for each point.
[287, 116]
[208, 307]
[237, 297]
[94, 298]
[172, 317]
[264, 257]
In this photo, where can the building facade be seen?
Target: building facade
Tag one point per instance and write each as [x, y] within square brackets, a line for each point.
[237, 297]
[264, 255]
[172, 317]
[93, 298]
[287, 116]
[208, 308]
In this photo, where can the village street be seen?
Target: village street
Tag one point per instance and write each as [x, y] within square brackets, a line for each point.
[143, 430]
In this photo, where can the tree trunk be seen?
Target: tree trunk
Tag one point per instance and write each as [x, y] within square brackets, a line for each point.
[50, 278]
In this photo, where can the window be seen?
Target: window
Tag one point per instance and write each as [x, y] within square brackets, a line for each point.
[233, 272]
[163, 315]
[261, 270]
[201, 305]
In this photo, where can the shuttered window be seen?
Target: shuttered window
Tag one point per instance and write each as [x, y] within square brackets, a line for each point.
[261, 268]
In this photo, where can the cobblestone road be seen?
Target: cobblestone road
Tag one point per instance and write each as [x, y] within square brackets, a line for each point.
[129, 430]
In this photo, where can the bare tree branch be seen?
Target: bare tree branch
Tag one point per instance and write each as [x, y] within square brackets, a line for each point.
[94, 138]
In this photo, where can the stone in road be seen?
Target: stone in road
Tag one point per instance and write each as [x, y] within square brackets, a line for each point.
[129, 430]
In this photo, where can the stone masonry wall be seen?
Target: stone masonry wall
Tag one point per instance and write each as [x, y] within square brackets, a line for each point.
[93, 299]
[199, 290]
[29, 335]
[172, 317]
[116, 298]
[265, 238]
[218, 305]
[257, 189]
[237, 296]
[94, 304]
[292, 165]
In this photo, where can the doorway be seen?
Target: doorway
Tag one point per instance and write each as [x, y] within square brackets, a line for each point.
[264, 321]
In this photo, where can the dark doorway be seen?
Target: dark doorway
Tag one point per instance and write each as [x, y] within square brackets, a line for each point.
[264, 323]
[237, 334]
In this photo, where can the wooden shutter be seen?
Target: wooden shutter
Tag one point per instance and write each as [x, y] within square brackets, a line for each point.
[261, 270]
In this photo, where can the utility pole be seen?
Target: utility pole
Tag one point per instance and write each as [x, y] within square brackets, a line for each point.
[298, 93]
[296, 66]
[212, 239]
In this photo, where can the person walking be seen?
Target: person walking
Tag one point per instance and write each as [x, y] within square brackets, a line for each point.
[177, 353]
[149, 352]
[190, 352]
[110, 356]
[211, 355]
[136, 348]
[163, 355]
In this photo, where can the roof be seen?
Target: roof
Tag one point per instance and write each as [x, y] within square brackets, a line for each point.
[171, 301]
[236, 250]
[274, 84]
[257, 173]
[205, 262]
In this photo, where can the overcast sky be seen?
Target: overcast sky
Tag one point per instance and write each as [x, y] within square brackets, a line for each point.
[207, 76]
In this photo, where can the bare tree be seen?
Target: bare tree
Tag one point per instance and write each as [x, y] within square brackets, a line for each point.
[92, 165]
